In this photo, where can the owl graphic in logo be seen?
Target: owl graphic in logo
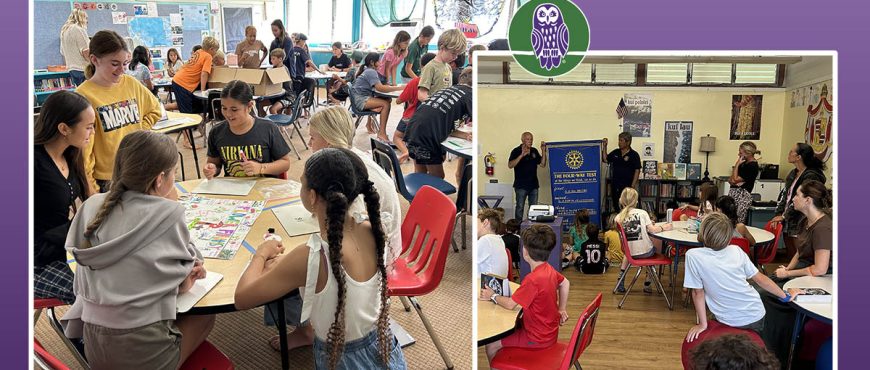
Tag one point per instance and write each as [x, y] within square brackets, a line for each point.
[549, 35]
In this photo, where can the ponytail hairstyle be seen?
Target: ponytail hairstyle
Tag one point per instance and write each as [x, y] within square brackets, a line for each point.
[142, 156]
[283, 35]
[368, 62]
[140, 55]
[750, 148]
[401, 36]
[628, 201]
[335, 126]
[338, 177]
[808, 156]
[63, 107]
[103, 43]
[821, 196]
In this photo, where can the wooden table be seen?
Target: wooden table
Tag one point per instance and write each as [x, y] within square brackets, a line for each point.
[388, 95]
[203, 95]
[680, 237]
[494, 322]
[823, 312]
[194, 121]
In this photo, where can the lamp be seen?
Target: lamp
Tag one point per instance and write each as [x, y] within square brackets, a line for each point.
[708, 145]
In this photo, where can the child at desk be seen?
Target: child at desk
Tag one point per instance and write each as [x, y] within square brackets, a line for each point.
[135, 256]
[139, 66]
[438, 74]
[365, 84]
[392, 56]
[409, 98]
[194, 75]
[543, 296]
[276, 57]
[244, 145]
[344, 276]
[338, 90]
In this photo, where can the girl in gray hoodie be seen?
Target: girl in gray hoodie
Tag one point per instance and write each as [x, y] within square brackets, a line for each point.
[134, 257]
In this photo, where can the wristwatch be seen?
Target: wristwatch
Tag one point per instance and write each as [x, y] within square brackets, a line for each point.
[493, 298]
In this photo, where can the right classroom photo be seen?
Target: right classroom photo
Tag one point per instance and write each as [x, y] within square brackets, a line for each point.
[656, 210]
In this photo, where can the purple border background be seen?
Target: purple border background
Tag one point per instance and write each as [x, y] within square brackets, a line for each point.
[614, 25]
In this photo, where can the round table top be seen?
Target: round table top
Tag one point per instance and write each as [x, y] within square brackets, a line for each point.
[193, 121]
[817, 310]
[318, 75]
[494, 321]
[221, 297]
[679, 234]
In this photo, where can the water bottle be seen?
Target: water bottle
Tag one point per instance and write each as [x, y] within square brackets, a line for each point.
[271, 235]
[670, 215]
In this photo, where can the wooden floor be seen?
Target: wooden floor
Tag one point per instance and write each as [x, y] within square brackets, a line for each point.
[644, 334]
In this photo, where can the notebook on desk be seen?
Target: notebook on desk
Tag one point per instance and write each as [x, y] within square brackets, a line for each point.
[201, 287]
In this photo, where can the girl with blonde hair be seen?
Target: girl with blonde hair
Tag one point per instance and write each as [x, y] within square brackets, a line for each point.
[74, 45]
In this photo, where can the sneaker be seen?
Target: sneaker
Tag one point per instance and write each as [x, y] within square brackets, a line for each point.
[620, 289]
[647, 288]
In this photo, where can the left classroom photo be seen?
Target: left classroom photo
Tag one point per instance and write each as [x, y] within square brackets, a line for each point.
[251, 185]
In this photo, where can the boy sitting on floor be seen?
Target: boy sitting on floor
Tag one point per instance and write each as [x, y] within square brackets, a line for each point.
[538, 296]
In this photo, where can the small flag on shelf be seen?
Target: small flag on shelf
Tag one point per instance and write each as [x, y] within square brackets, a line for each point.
[620, 108]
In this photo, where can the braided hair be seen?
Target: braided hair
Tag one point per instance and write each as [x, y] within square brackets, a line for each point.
[339, 176]
[142, 156]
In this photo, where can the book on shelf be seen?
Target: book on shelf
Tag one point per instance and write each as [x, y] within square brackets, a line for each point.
[666, 171]
[693, 171]
[685, 191]
[666, 190]
[680, 171]
[814, 295]
[650, 169]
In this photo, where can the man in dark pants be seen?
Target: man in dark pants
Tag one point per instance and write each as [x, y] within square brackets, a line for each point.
[525, 160]
[624, 167]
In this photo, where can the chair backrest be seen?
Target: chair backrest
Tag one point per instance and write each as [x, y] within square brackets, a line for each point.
[427, 232]
[463, 196]
[46, 359]
[511, 274]
[39, 303]
[675, 216]
[715, 329]
[583, 332]
[216, 113]
[766, 253]
[624, 243]
[297, 107]
[383, 153]
[743, 243]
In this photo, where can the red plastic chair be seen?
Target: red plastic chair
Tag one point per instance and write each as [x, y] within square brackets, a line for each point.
[432, 215]
[743, 243]
[675, 216]
[46, 360]
[558, 356]
[511, 273]
[48, 304]
[645, 263]
[715, 329]
[282, 176]
[765, 254]
[207, 357]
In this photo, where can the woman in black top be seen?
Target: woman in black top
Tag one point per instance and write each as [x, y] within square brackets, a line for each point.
[282, 40]
[65, 126]
[807, 167]
[743, 177]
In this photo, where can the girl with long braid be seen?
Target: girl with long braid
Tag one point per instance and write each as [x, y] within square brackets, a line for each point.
[344, 277]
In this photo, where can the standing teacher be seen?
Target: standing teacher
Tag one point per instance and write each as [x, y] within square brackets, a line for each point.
[282, 41]
[74, 45]
[524, 159]
[624, 167]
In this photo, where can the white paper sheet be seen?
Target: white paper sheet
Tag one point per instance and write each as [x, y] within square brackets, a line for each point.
[201, 287]
[225, 186]
[296, 220]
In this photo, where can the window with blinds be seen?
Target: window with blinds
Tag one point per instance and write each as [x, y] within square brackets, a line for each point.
[711, 73]
[615, 73]
[667, 73]
[755, 73]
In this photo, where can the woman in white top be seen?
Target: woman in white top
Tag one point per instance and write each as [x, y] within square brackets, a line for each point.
[74, 45]
[344, 277]
[492, 256]
[637, 225]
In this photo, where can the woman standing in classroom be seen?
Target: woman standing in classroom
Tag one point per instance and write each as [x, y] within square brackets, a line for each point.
[806, 167]
[74, 45]
[249, 50]
[283, 41]
[122, 105]
[743, 177]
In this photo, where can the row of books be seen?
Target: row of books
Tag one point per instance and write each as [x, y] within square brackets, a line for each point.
[671, 171]
[53, 84]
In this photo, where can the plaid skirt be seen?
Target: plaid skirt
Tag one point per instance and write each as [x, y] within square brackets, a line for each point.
[54, 280]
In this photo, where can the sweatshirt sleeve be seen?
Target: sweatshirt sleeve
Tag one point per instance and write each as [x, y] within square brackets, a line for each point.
[149, 107]
[90, 163]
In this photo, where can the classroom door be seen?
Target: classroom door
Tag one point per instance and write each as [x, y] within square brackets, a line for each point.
[235, 20]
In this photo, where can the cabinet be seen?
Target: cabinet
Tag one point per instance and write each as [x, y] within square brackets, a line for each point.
[46, 83]
[766, 190]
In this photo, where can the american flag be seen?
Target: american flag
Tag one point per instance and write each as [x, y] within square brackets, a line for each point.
[620, 108]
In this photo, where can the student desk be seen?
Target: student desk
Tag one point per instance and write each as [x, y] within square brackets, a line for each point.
[494, 322]
[680, 237]
[555, 259]
[823, 312]
[203, 95]
[319, 76]
[194, 121]
[388, 95]
[458, 146]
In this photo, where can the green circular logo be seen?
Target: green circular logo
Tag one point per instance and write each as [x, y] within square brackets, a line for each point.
[549, 38]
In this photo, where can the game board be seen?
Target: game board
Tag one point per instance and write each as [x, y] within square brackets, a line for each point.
[219, 226]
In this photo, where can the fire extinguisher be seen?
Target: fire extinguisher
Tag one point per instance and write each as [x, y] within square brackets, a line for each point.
[489, 161]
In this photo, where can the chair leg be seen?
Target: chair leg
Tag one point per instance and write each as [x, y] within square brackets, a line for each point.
[661, 289]
[296, 126]
[55, 324]
[432, 333]
[290, 142]
[624, 296]
[405, 303]
[464, 230]
[621, 279]
[36, 316]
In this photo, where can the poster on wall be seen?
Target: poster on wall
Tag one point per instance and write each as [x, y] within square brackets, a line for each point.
[481, 14]
[575, 178]
[745, 117]
[678, 142]
[648, 150]
[194, 17]
[152, 9]
[140, 10]
[119, 17]
[638, 115]
[819, 125]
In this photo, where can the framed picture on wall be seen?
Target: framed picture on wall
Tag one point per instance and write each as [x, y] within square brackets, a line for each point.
[693, 171]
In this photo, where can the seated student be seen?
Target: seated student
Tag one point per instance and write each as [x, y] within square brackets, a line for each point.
[139, 66]
[364, 85]
[709, 193]
[339, 63]
[512, 240]
[733, 352]
[244, 145]
[612, 241]
[435, 121]
[250, 48]
[219, 59]
[278, 105]
[135, 256]
[409, 98]
[456, 67]
[491, 253]
[578, 232]
[173, 61]
[727, 206]
[194, 75]
[195, 48]
[341, 268]
[437, 74]
[717, 275]
[637, 225]
[392, 57]
[339, 90]
[592, 258]
[543, 295]
[64, 127]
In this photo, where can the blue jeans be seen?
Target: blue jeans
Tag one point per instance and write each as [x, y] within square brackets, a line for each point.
[78, 77]
[363, 353]
[522, 194]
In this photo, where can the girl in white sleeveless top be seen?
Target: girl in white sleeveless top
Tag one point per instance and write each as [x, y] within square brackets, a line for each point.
[343, 277]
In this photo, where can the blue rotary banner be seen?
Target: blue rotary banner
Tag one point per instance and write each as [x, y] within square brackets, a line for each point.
[575, 178]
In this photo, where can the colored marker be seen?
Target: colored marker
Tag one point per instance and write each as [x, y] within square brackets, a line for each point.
[242, 154]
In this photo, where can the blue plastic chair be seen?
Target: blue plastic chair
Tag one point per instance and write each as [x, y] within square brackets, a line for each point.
[407, 185]
[825, 357]
[358, 113]
[284, 121]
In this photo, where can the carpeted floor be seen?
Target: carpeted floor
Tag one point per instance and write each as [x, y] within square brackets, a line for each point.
[243, 338]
